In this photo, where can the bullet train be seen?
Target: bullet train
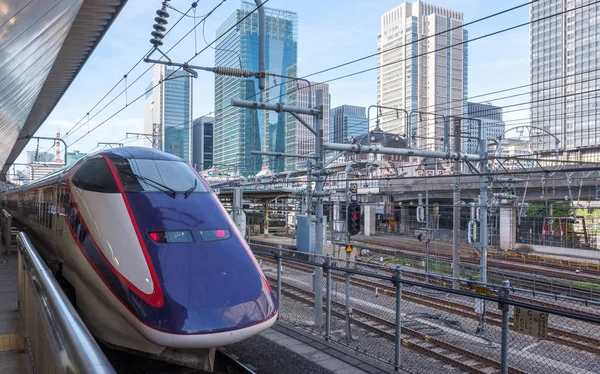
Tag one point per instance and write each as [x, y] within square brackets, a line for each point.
[146, 251]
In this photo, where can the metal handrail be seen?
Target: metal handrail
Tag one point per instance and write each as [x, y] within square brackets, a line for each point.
[74, 350]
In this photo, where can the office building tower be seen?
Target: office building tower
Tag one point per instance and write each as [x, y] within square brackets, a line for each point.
[239, 131]
[347, 122]
[168, 112]
[492, 125]
[298, 138]
[35, 156]
[564, 76]
[71, 157]
[421, 72]
[203, 143]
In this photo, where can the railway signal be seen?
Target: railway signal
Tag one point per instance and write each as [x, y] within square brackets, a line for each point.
[353, 219]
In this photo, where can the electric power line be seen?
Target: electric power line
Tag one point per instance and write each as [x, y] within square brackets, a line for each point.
[174, 71]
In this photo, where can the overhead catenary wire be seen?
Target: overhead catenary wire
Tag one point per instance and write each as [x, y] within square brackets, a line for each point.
[463, 42]
[120, 80]
[354, 61]
[174, 71]
[463, 100]
[149, 68]
[433, 51]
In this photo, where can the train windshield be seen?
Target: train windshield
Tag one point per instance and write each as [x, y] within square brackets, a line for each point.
[141, 175]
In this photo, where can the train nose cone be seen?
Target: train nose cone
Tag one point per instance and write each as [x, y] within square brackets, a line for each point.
[209, 286]
[225, 304]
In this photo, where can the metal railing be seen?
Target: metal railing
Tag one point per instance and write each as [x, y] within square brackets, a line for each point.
[390, 313]
[56, 339]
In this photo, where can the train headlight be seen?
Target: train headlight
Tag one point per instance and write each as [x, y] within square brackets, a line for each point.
[214, 235]
[172, 236]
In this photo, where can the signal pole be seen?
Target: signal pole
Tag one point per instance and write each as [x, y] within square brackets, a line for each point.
[456, 210]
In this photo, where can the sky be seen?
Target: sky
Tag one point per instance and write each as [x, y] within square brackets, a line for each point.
[330, 32]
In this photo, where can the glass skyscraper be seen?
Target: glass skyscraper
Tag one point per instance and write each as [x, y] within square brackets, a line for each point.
[298, 139]
[346, 122]
[564, 54]
[238, 131]
[168, 111]
[492, 125]
[203, 143]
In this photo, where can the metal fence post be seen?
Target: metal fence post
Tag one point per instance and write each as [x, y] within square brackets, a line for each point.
[398, 284]
[327, 267]
[504, 307]
[348, 310]
[278, 256]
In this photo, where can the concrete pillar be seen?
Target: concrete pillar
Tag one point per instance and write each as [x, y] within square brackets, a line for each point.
[266, 228]
[369, 220]
[336, 211]
[237, 213]
[404, 220]
[508, 227]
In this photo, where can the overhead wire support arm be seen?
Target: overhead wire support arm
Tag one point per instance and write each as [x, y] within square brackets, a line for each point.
[109, 144]
[304, 123]
[232, 72]
[280, 154]
[401, 151]
[29, 137]
[277, 108]
[138, 134]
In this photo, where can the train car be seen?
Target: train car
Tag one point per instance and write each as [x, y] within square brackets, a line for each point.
[146, 251]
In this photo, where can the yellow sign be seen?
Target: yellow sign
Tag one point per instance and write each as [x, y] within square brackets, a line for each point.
[531, 322]
[348, 248]
[482, 290]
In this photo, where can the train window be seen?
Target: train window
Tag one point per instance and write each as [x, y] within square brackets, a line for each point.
[139, 175]
[95, 175]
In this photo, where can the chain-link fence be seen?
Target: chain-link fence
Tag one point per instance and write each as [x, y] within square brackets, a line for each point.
[391, 314]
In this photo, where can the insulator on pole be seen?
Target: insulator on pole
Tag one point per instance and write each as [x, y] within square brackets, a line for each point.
[160, 20]
[233, 72]
[156, 42]
[159, 28]
[162, 13]
[157, 35]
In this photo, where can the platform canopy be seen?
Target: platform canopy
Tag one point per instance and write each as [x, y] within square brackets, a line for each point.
[43, 46]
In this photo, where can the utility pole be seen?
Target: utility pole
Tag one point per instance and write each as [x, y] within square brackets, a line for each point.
[456, 210]
[318, 193]
[483, 224]
[427, 237]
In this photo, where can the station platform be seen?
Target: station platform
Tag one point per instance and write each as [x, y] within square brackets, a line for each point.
[13, 358]
[333, 249]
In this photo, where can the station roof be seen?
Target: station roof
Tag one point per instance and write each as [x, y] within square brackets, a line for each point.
[43, 46]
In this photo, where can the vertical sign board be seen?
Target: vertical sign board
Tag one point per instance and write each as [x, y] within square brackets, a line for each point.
[531, 322]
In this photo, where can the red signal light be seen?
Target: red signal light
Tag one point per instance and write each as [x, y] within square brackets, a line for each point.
[355, 216]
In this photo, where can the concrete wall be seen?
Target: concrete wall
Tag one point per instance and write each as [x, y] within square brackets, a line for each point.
[572, 252]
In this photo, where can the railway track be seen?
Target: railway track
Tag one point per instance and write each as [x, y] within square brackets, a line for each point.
[495, 260]
[560, 336]
[226, 363]
[411, 337]
[522, 279]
